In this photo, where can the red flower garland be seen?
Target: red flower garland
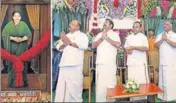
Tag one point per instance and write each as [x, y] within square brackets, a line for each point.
[36, 49]
[153, 12]
[116, 3]
[18, 69]
[174, 13]
[138, 8]
[26, 56]
[95, 6]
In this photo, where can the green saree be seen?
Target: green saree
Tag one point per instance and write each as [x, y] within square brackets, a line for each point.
[19, 30]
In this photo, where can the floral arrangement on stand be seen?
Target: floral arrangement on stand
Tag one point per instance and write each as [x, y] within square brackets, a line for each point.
[131, 86]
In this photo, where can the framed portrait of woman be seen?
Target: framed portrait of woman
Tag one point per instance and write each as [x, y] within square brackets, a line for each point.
[25, 24]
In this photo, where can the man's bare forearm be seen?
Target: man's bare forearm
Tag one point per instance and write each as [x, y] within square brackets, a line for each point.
[97, 43]
[173, 44]
[114, 43]
[157, 44]
[62, 46]
[74, 45]
[140, 48]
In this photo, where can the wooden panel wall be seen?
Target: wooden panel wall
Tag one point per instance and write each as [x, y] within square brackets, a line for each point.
[45, 58]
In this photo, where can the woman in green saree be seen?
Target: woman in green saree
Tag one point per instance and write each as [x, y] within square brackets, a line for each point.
[16, 35]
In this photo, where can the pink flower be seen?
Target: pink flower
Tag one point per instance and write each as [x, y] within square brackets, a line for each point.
[153, 12]
[174, 13]
[165, 5]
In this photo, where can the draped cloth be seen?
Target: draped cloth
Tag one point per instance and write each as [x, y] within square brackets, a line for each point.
[33, 12]
[26, 56]
[19, 30]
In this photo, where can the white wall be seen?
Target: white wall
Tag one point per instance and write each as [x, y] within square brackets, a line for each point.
[118, 24]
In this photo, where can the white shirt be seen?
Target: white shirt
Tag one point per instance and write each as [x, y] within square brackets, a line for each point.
[167, 52]
[106, 53]
[72, 56]
[137, 57]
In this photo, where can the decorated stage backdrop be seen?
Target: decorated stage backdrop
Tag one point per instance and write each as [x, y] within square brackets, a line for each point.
[38, 53]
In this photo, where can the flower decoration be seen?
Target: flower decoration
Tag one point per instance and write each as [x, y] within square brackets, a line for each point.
[156, 11]
[81, 6]
[172, 10]
[131, 86]
[164, 8]
[151, 7]
[58, 4]
[165, 4]
[103, 11]
[107, 9]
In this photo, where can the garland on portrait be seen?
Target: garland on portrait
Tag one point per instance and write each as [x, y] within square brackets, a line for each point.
[28, 55]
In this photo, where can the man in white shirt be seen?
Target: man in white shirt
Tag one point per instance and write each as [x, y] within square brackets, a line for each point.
[70, 80]
[107, 44]
[166, 42]
[136, 46]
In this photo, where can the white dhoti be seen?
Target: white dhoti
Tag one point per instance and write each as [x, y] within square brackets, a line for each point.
[140, 74]
[70, 84]
[167, 79]
[105, 78]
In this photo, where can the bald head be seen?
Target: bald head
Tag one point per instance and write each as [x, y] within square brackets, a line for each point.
[167, 25]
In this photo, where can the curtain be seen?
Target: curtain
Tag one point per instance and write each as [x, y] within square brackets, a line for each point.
[3, 14]
[63, 18]
[152, 23]
[33, 12]
[174, 24]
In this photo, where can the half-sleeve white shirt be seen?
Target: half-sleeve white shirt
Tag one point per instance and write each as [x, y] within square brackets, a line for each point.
[137, 57]
[72, 56]
[167, 53]
[106, 52]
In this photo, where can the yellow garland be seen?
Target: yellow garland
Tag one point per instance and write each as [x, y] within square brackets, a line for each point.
[68, 5]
